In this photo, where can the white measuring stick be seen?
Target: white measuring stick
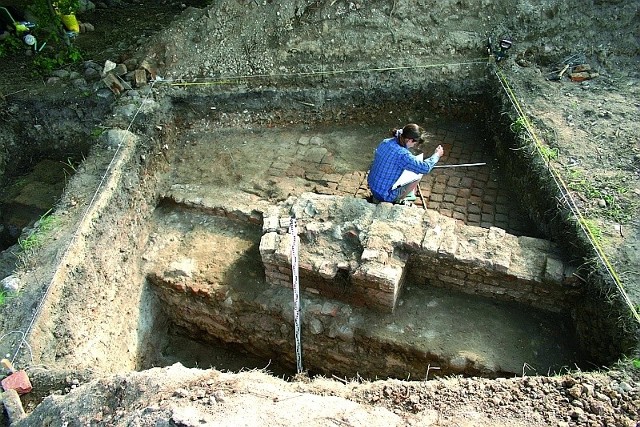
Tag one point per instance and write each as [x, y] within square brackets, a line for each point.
[463, 165]
[296, 291]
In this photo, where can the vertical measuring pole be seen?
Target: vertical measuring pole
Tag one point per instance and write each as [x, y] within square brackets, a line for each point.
[296, 291]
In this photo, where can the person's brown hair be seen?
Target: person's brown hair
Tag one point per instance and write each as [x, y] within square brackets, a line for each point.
[409, 131]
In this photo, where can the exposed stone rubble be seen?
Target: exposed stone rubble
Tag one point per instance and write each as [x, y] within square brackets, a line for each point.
[374, 247]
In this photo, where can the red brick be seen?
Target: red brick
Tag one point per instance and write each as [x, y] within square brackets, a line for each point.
[327, 159]
[464, 192]
[451, 190]
[427, 180]
[502, 210]
[18, 381]
[482, 176]
[441, 179]
[489, 195]
[466, 182]
[326, 168]
[475, 200]
[473, 209]
[473, 219]
[454, 181]
[502, 219]
[459, 215]
[461, 209]
[446, 212]
[295, 170]
[487, 217]
[438, 188]
[461, 201]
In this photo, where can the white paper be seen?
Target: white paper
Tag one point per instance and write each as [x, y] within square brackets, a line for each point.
[408, 176]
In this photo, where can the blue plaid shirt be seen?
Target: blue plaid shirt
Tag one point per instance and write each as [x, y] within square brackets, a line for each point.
[389, 161]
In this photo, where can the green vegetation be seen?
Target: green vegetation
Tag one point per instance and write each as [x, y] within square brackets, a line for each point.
[618, 206]
[54, 47]
[10, 46]
[47, 62]
[35, 239]
[69, 164]
[518, 126]
[66, 7]
[594, 229]
[97, 131]
[548, 153]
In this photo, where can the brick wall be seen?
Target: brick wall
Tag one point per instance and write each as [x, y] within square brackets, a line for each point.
[423, 247]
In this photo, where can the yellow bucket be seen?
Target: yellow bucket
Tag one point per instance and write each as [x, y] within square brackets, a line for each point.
[71, 23]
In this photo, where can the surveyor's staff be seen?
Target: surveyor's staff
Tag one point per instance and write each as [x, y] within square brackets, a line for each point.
[463, 165]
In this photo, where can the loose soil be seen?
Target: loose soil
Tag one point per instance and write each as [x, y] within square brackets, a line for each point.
[85, 365]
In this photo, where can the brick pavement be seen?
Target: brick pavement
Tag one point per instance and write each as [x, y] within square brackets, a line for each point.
[475, 195]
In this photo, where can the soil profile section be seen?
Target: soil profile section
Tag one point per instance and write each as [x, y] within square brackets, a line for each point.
[231, 302]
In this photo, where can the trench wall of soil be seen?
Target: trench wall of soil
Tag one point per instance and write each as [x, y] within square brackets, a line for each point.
[602, 319]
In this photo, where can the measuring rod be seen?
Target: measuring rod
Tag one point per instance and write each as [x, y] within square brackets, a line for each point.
[296, 291]
[463, 165]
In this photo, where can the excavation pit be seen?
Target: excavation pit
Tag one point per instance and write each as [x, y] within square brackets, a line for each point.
[219, 262]
[200, 206]
[432, 330]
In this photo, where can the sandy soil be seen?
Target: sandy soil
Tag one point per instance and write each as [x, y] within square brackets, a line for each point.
[595, 123]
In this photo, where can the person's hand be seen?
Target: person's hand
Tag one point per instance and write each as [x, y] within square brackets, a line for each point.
[439, 151]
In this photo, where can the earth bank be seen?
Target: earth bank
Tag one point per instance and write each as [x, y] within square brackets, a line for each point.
[326, 38]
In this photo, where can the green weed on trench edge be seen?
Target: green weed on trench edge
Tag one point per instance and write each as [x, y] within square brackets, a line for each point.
[593, 228]
[35, 239]
[613, 191]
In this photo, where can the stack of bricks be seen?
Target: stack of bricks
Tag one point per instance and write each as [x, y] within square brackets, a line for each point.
[275, 249]
[374, 281]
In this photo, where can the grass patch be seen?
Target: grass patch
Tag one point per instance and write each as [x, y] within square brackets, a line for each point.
[593, 228]
[619, 205]
[36, 238]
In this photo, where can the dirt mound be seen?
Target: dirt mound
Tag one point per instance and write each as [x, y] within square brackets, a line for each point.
[176, 396]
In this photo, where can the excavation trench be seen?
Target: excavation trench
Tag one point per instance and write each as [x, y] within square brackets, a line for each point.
[219, 265]
[192, 226]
